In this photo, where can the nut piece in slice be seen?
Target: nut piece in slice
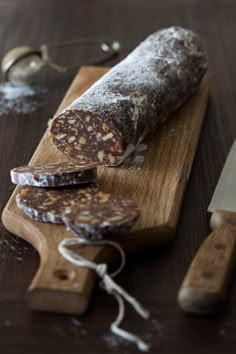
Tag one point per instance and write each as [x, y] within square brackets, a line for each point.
[101, 214]
[48, 205]
[55, 174]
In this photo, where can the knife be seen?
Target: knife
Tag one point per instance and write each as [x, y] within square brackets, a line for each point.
[204, 287]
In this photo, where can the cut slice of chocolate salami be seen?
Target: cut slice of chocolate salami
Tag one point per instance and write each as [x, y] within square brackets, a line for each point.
[48, 205]
[55, 174]
[112, 117]
[100, 215]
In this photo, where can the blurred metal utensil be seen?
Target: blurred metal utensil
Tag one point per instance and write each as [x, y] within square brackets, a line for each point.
[23, 63]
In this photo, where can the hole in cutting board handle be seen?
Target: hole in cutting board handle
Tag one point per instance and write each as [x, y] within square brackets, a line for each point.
[64, 274]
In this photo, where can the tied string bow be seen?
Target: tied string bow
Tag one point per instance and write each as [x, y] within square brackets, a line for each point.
[108, 284]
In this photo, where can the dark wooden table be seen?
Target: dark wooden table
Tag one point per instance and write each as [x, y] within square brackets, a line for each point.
[155, 277]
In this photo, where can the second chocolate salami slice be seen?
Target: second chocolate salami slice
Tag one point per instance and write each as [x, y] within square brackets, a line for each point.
[100, 215]
[48, 205]
[130, 101]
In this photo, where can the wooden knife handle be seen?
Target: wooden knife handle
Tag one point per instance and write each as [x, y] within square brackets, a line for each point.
[204, 287]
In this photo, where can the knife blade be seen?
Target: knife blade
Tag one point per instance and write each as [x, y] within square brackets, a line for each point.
[205, 285]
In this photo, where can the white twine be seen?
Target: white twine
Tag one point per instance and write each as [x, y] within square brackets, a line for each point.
[108, 284]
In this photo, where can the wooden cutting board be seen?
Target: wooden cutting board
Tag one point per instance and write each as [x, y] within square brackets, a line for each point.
[158, 187]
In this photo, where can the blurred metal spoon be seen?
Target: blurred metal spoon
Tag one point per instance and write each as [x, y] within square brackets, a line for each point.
[23, 63]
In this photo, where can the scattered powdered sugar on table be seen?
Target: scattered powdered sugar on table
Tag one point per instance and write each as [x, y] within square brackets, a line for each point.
[117, 344]
[14, 245]
[114, 342]
[7, 323]
[222, 332]
[20, 98]
[76, 323]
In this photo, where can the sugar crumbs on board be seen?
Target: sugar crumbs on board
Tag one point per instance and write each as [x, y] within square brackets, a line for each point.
[136, 159]
[20, 98]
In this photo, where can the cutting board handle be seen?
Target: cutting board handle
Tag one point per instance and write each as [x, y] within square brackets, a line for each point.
[58, 286]
[204, 287]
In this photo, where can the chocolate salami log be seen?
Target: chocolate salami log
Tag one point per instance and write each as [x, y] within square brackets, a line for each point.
[106, 123]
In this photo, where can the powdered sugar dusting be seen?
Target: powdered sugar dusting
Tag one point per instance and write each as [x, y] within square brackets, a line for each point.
[20, 98]
[139, 69]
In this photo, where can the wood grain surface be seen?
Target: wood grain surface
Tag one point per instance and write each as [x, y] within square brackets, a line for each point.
[154, 277]
[157, 186]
